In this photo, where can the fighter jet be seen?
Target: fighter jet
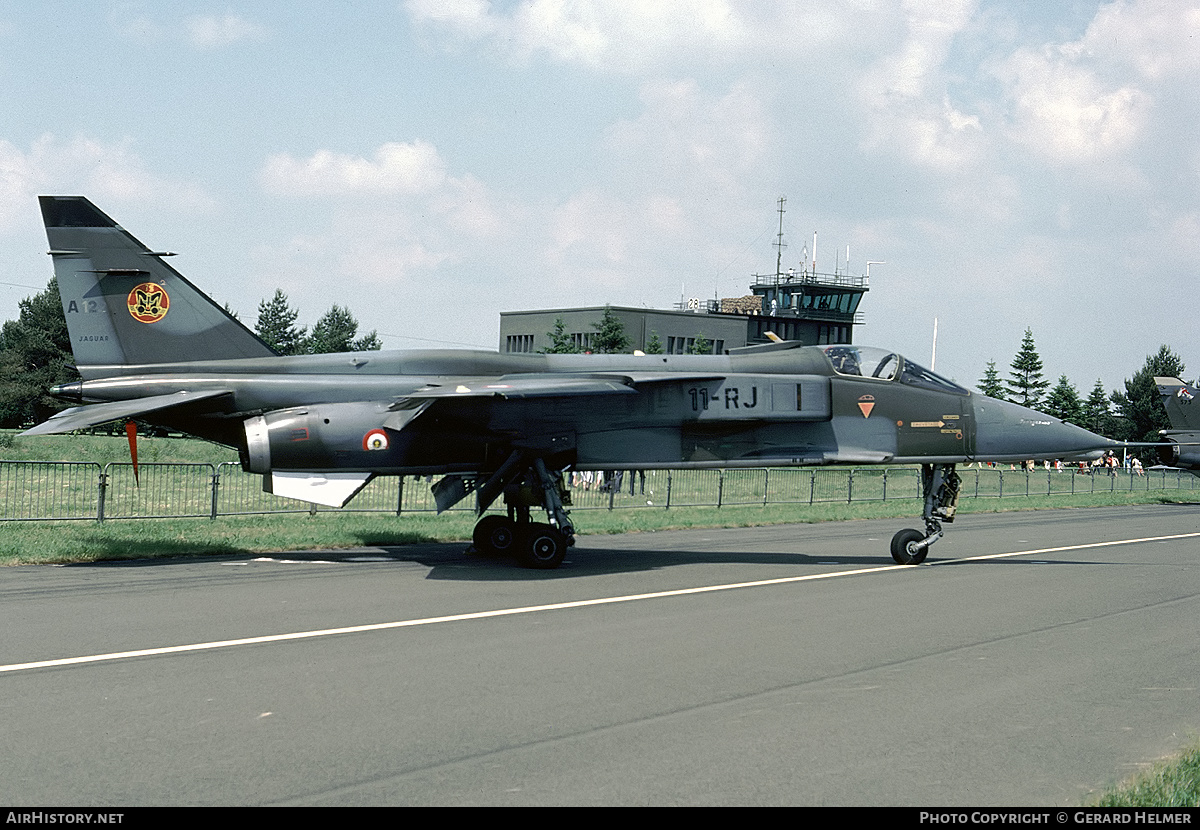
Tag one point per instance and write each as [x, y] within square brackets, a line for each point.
[150, 347]
[1183, 439]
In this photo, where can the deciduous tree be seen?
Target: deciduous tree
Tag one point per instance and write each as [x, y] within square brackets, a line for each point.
[1139, 411]
[35, 354]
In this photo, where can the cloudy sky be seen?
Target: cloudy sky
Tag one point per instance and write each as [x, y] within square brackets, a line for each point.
[431, 163]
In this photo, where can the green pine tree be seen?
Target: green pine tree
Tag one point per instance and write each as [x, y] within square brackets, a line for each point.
[1063, 402]
[335, 332]
[369, 342]
[990, 384]
[701, 345]
[654, 344]
[1097, 415]
[277, 325]
[610, 335]
[560, 341]
[1026, 384]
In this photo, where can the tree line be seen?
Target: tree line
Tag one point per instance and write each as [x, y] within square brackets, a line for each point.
[1133, 413]
[335, 331]
[35, 348]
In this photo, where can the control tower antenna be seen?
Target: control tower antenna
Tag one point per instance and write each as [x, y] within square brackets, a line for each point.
[780, 244]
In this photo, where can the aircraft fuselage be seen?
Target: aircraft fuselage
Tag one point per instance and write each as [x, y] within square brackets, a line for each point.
[778, 407]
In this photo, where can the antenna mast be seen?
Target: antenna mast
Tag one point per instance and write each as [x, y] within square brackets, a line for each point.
[779, 243]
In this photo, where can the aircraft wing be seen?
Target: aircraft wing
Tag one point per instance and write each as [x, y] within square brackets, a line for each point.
[549, 385]
[83, 417]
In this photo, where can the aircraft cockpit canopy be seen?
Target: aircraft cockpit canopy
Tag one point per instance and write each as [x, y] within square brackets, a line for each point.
[871, 362]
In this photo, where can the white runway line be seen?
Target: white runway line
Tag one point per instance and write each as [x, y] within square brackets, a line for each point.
[556, 606]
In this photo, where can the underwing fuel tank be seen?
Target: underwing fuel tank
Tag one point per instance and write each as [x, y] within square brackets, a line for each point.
[1011, 432]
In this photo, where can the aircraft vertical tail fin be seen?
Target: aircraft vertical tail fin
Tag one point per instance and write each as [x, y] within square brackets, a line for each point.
[1179, 399]
[124, 305]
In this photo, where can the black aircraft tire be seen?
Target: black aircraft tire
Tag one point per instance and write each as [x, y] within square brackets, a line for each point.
[543, 547]
[494, 535]
[900, 551]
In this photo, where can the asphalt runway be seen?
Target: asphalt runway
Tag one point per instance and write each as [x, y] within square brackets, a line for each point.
[1034, 659]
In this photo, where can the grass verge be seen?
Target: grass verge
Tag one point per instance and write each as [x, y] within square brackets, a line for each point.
[86, 541]
[1173, 783]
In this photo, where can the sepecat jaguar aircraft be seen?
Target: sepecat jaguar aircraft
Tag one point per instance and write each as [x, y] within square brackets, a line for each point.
[150, 347]
[1180, 449]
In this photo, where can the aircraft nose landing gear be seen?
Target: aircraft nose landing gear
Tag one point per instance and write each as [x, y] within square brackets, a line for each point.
[939, 485]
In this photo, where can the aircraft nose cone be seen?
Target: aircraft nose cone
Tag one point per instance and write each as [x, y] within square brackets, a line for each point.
[1010, 432]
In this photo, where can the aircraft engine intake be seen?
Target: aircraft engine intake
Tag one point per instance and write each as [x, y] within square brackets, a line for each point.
[1182, 451]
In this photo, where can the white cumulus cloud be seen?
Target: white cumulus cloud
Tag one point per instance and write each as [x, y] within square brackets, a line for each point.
[1159, 39]
[904, 92]
[396, 168]
[82, 165]
[622, 37]
[214, 32]
[1063, 111]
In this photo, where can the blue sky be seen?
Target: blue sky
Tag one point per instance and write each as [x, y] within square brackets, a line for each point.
[431, 163]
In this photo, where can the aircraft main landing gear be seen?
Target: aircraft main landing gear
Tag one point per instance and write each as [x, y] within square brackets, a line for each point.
[939, 485]
[541, 545]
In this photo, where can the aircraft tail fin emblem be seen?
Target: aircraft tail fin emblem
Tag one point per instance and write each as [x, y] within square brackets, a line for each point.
[112, 286]
[148, 303]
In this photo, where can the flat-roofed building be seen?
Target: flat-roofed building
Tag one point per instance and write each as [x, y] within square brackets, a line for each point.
[815, 309]
[677, 331]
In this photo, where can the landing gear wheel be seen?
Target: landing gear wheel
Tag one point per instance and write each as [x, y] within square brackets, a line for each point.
[544, 547]
[494, 535]
[902, 550]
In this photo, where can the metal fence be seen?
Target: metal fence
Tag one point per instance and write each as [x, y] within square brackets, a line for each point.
[40, 490]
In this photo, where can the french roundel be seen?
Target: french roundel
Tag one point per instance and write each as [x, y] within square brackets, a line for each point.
[376, 439]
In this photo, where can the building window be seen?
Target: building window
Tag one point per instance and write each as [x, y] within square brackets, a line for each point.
[518, 343]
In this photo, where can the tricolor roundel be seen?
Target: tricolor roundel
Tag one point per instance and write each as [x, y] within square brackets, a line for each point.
[376, 439]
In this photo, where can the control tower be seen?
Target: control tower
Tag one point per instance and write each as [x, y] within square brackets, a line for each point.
[808, 305]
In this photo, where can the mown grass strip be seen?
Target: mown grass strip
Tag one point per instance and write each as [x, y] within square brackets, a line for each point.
[1171, 783]
[87, 541]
